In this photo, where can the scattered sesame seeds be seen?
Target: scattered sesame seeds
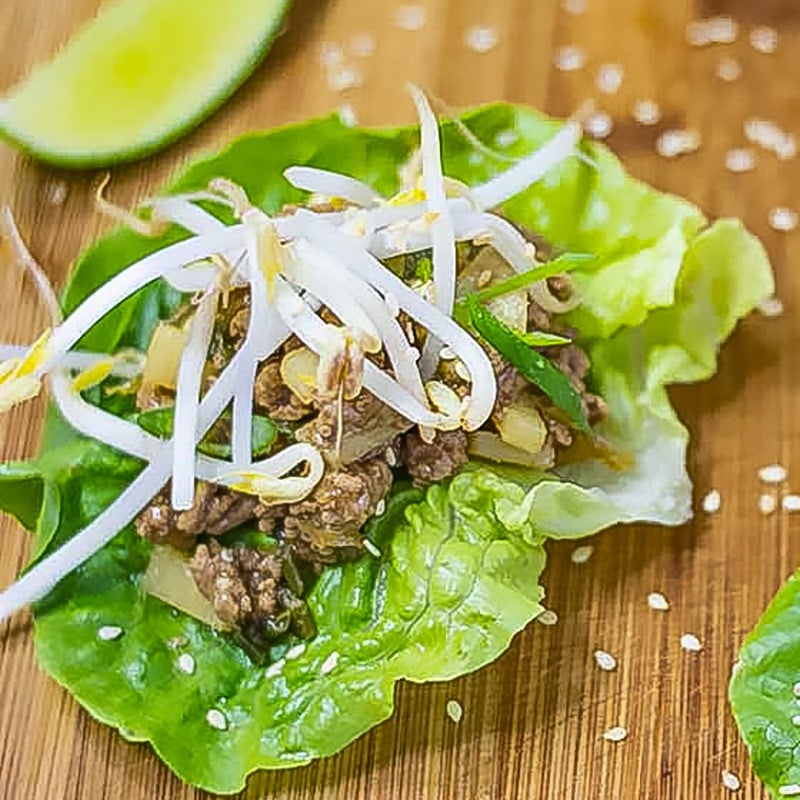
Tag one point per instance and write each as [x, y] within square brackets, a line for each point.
[186, 663]
[547, 617]
[599, 125]
[740, 159]
[295, 652]
[216, 719]
[764, 39]
[712, 502]
[609, 78]
[506, 138]
[484, 279]
[771, 136]
[647, 112]
[691, 643]
[657, 601]
[362, 44]
[329, 664]
[344, 78]
[773, 473]
[380, 507]
[580, 555]
[410, 18]
[330, 54]
[722, 29]
[481, 38]
[771, 307]
[461, 370]
[615, 734]
[789, 790]
[767, 504]
[575, 7]
[56, 191]
[730, 780]
[605, 660]
[348, 115]
[109, 632]
[454, 710]
[783, 219]
[371, 548]
[728, 69]
[791, 502]
[570, 58]
[676, 142]
[275, 669]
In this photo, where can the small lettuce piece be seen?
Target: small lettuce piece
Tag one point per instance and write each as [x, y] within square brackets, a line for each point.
[458, 575]
[762, 690]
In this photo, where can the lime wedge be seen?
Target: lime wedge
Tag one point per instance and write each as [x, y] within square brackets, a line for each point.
[136, 77]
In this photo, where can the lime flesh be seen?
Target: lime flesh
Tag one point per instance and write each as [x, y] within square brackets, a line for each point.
[136, 77]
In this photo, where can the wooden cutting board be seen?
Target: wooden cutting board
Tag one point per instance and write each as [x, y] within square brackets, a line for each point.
[533, 721]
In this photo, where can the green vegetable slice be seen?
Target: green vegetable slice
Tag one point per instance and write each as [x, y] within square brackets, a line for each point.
[516, 347]
[459, 565]
[763, 694]
[137, 76]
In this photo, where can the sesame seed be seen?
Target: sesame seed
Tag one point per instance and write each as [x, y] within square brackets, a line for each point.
[362, 44]
[729, 69]
[481, 38]
[691, 643]
[767, 504]
[609, 78]
[675, 142]
[783, 219]
[275, 669]
[454, 710]
[330, 54]
[186, 663]
[56, 192]
[615, 734]
[109, 632]
[370, 547]
[605, 660]
[570, 58]
[344, 78]
[764, 39]
[410, 18]
[506, 138]
[447, 353]
[789, 790]
[773, 473]
[461, 370]
[295, 652]
[647, 112]
[740, 159]
[770, 307]
[574, 7]
[731, 781]
[380, 507]
[696, 33]
[791, 502]
[657, 601]
[329, 664]
[547, 617]
[712, 502]
[348, 115]
[599, 125]
[216, 719]
[484, 279]
[390, 457]
[722, 29]
[786, 147]
[580, 555]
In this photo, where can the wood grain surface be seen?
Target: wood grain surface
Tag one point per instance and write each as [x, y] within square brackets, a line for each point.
[532, 721]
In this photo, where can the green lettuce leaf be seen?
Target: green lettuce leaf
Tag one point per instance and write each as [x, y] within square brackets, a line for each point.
[762, 690]
[458, 575]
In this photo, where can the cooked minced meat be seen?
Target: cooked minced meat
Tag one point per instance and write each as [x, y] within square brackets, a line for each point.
[273, 397]
[254, 590]
[431, 462]
[216, 510]
[326, 527]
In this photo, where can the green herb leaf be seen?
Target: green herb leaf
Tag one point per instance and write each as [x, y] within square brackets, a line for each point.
[762, 690]
[158, 421]
[534, 366]
[542, 339]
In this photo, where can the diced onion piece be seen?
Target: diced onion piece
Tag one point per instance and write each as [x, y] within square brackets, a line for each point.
[504, 237]
[169, 578]
[164, 355]
[511, 308]
[522, 426]
[483, 444]
[298, 371]
[332, 184]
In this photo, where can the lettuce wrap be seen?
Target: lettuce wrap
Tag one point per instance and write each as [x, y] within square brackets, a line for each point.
[458, 572]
